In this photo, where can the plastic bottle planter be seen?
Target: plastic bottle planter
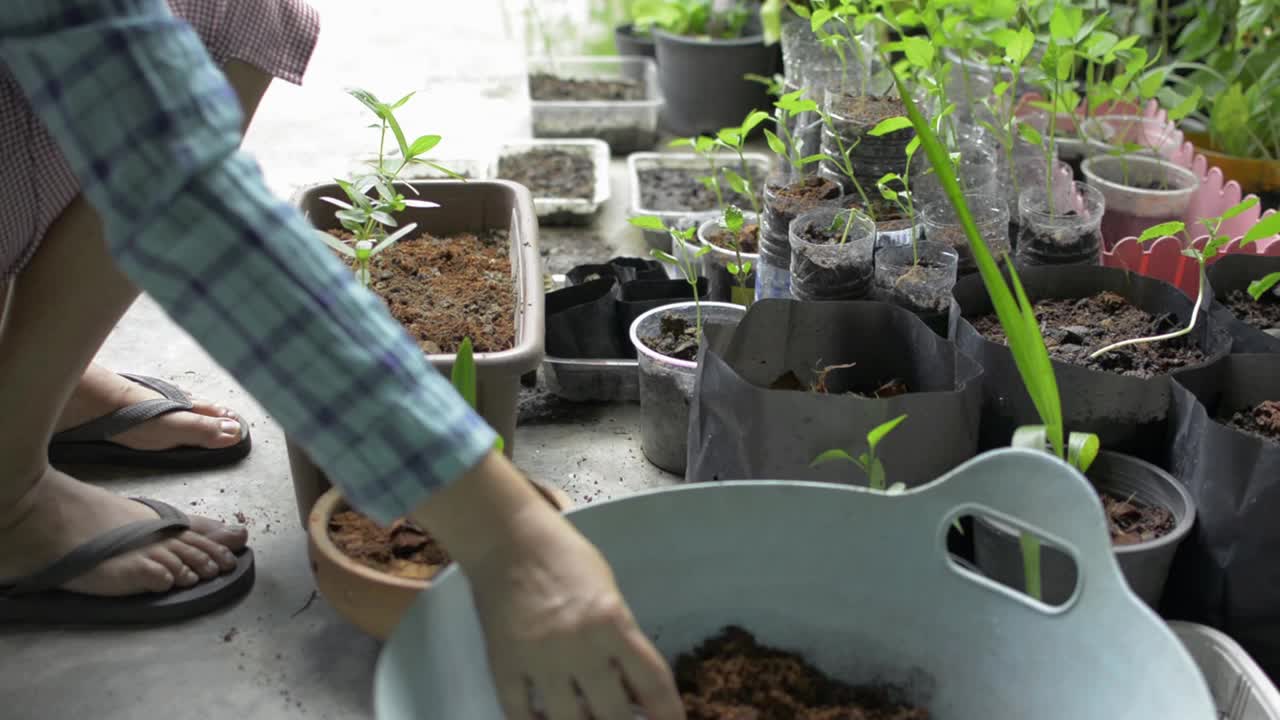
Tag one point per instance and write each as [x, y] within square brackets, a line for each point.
[852, 118]
[724, 286]
[1232, 274]
[806, 62]
[666, 383]
[1112, 134]
[1064, 228]
[702, 80]
[918, 278]
[1145, 565]
[784, 199]
[941, 225]
[1140, 191]
[724, 553]
[831, 254]
[978, 173]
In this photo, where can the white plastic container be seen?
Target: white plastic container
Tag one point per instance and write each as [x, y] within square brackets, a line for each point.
[626, 125]
[568, 211]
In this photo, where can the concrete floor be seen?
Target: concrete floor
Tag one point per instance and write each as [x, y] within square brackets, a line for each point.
[283, 653]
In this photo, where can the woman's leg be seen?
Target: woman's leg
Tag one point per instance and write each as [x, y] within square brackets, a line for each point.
[61, 309]
[101, 391]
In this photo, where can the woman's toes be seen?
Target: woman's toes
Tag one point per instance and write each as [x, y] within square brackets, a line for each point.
[223, 558]
[183, 576]
[205, 431]
[232, 537]
[194, 558]
[152, 576]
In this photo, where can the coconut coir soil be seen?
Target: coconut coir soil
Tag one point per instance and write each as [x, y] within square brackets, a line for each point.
[732, 677]
[1263, 314]
[446, 289]
[1262, 420]
[804, 194]
[551, 173]
[403, 550]
[547, 87]
[1075, 328]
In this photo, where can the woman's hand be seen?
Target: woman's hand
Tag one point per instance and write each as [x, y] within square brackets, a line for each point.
[554, 620]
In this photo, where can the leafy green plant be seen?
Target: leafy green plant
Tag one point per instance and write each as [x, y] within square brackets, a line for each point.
[368, 212]
[463, 377]
[868, 461]
[696, 18]
[687, 262]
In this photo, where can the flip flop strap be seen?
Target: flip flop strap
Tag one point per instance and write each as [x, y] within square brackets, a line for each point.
[127, 418]
[100, 549]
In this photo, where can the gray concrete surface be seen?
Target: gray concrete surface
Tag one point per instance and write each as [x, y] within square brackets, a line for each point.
[282, 654]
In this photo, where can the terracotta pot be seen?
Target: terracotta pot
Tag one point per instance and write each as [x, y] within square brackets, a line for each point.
[1255, 175]
[371, 600]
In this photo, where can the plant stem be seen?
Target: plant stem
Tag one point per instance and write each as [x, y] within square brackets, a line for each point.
[1195, 313]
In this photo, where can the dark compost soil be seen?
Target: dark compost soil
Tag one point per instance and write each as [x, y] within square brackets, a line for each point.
[870, 110]
[446, 289]
[1263, 314]
[1132, 522]
[1262, 420]
[545, 86]
[1074, 328]
[803, 195]
[822, 384]
[551, 172]
[678, 189]
[403, 550]
[748, 239]
[677, 338]
[732, 677]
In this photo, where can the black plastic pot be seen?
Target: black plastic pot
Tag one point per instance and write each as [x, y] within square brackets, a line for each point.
[1129, 414]
[1145, 565]
[703, 80]
[628, 42]
[742, 429]
[1225, 574]
[1235, 272]
[622, 269]
[838, 266]
[582, 321]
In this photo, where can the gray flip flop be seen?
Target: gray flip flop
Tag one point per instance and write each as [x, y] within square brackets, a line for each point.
[35, 599]
[90, 443]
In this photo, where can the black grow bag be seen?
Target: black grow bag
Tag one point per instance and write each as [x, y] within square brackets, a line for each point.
[741, 430]
[582, 321]
[1128, 414]
[1235, 272]
[1227, 573]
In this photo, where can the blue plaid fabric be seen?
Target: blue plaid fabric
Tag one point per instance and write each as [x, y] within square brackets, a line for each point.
[151, 128]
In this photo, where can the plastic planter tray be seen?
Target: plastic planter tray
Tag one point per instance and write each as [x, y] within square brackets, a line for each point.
[861, 584]
[1240, 688]
[464, 207]
[626, 125]
[685, 161]
[568, 211]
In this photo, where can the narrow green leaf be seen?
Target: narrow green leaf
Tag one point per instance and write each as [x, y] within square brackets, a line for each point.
[737, 182]
[422, 145]
[664, 257]
[391, 239]
[1258, 288]
[1082, 450]
[1173, 227]
[648, 222]
[775, 143]
[1031, 564]
[464, 372]
[337, 202]
[879, 432]
[681, 142]
[702, 251]
[889, 125]
[1030, 134]
[755, 118]
[1239, 208]
[1265, 228]
[832, 456]
[336, 244]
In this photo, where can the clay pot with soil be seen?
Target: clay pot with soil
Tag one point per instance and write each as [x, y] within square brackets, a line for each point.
[667, 344]
[371, 574]
[729, 250]
[852, 119]
[569, 179]
[667, 186]
[1140, 191]
[614, 99]
[918, 278]
[1254, 324]
[1148, 513]
[703, 79]
[474, 271]
[785, 198]
[1225, 447]
[831, 254]
[1060, 225]
[1123, 396]
[797, 379]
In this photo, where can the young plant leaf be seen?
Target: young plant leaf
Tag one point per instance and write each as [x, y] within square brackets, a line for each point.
[410, 202]
[737, 182]
[879, 432]
[1240, 208]
[337, 202]
[775, 143]
[755, 118]
[1258, 288]
[391, 239]
[422, 145]
[336, 244]
[1173, 227]
[664, 257]
[463, 374]
[1265, 228]
[889, 125]
[648, 222]
[1029, 134]
[1082, 450]
[832, 456]
[733, 219]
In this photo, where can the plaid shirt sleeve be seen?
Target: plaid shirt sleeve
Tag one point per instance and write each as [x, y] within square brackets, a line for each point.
[152, 130]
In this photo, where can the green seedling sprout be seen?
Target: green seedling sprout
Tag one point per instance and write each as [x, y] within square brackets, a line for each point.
[368, 212]
[704, 147]
[734, 139]
[686, 262]
[868, 461]
[1266, 227]
[1212, 249]
[789, 107]
[463, 377]
[1013, 308]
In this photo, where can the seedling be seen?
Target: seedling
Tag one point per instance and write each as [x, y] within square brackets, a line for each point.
[368, 213]
[740, 269]
[868, 461]
[686, 262]
[705, 147]
[463, 376]
[783, 143]
[1211, 250]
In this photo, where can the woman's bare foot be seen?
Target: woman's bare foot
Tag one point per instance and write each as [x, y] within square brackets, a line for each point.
[60, 513]
[101, 392]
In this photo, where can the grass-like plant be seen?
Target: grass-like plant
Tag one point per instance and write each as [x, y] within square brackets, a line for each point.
[868, 461]
[463, 377]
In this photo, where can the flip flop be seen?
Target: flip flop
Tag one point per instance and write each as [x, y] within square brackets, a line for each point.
[89, 443]
[35, 599]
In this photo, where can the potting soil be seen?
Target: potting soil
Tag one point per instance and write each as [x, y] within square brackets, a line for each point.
[551, 173]
[679, 189]
[890, 387]
[1074, 328]
[403, 550]
[1132, 522]
[548, 87]
[748, 239]
[677, 338]
[732, 677]
[1261, 420]
[445, 289]
[1263, 314]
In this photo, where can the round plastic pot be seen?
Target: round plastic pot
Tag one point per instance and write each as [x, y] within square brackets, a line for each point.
[1107, 134]
[703, 84]
[978, 173]
[1140, 191]
[628, 42]
[1145, 565]
[840, 269]
[872, 157]
[666, 383]
[724, 286]
[784, 199]
[1234, 273]
[1129, 414]
[942, 225]
[918, 279]
[1062, 228]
